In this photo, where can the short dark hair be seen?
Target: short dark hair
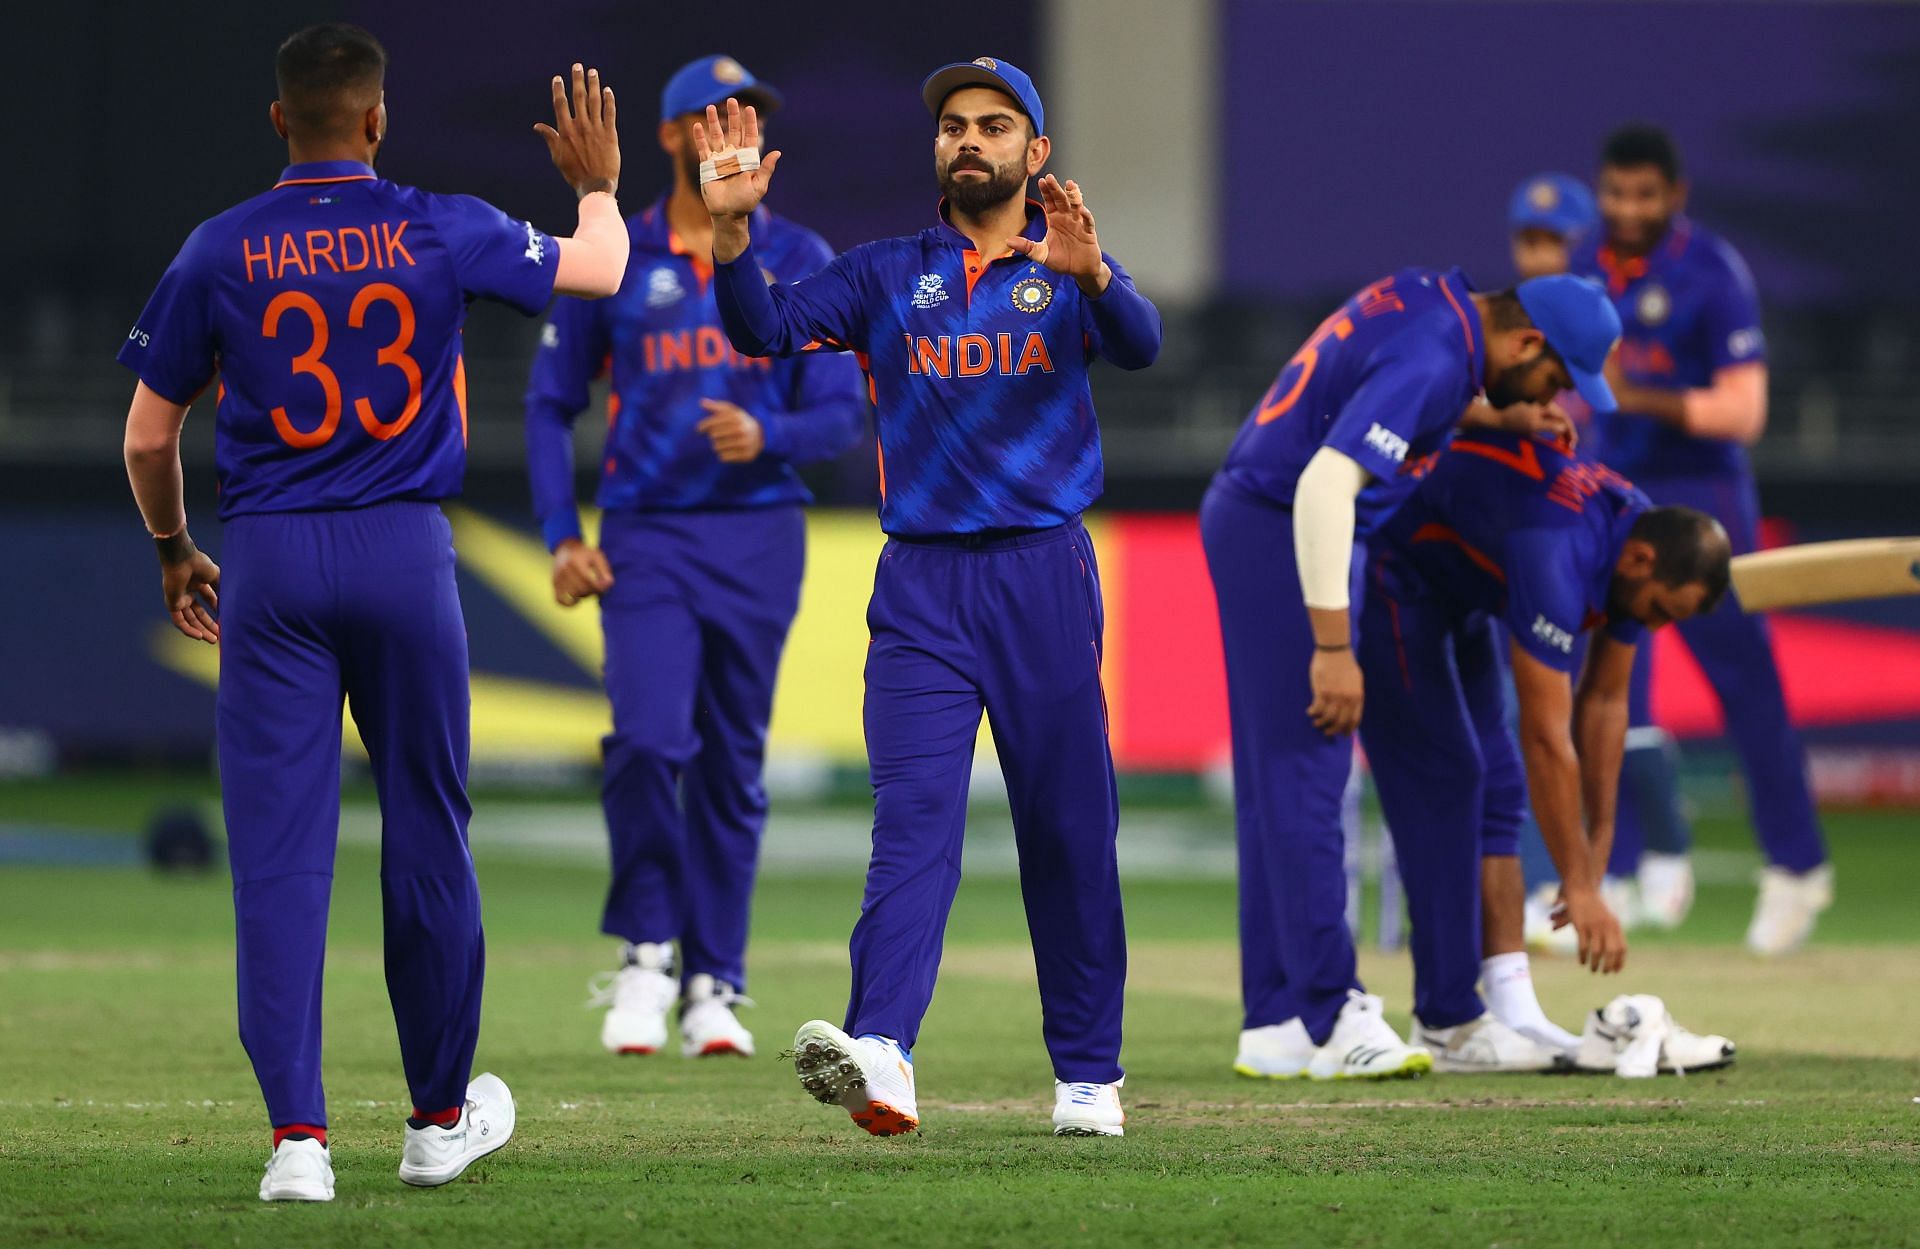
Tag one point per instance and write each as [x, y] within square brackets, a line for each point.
[1641, 143]
[329, 76]
[1689, 547]
[1507, 312]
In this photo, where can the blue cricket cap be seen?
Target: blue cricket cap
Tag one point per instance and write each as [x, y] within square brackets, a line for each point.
[710, 80]
[1556, 202]
[985, 71]
[1581, 325]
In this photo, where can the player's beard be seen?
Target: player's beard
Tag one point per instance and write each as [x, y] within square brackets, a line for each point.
[1510, 387]
[972, 197]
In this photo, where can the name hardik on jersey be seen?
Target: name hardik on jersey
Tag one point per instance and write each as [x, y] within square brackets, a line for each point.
[978, 372]
[331, 308]
[1518, 529]
[1384, 380]
[1687, 309]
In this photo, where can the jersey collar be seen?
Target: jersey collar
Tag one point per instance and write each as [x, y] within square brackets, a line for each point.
[325, 171]
[1036, 227]
[1458, 289]
[1622, 271]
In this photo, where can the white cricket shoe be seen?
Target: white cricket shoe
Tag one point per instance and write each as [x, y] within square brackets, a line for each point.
[1485, 1046]
[1545, 1032]
[298, 1171]
[1277, 1051]
[1539, 932]
[433, 1155]
[1081, 1108]
[637, 998]
[1635, 1036]
[1666, 889]
[871, 1078]
[707, 1023]
[1363, 1047]
[1789, 904]
[1622, 896]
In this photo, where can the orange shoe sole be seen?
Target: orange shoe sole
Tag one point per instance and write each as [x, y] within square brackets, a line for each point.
[880, 1119]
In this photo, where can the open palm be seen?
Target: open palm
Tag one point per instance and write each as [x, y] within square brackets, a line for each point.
[1070, 246]
[740, 193]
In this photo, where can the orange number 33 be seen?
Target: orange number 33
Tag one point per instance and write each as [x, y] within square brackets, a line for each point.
[312, 364]
[1339, 325]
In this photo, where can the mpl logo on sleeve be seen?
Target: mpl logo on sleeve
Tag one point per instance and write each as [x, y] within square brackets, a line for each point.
[931, 292]
[1553, 635]
[536, 246]
[1387, 443]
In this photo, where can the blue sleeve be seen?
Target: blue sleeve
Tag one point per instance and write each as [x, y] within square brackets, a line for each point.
[1123, 326]
[1546, 599]
[496, 256]
[1626, 630]
[172, 347]
[572, 352]
[1731, 317]
[766, 320]
[1409, 391]
[827, 410]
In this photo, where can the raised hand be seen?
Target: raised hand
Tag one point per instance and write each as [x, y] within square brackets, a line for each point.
[738, 193]
[1070, 246]
[583, 142]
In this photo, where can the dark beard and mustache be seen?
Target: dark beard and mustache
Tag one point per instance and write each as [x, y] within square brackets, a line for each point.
[1511, 386]
[973, 196]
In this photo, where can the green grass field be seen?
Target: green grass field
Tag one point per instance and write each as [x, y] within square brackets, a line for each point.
[128, 1114]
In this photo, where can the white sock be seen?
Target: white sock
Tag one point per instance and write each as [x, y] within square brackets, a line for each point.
[1508, 981]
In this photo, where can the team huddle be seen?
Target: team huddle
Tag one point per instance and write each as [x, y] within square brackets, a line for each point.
[1406, 548]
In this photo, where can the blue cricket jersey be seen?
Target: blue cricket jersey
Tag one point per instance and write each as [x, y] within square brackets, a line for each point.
[977, 367]
[1516, 528]
[1383, 380]
[1687, 309]
[331, 308]
[661, 337]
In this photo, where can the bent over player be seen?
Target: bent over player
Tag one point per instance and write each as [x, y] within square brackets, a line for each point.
[977, 335]
[702, 542]
[1514, 531]
[1314, 470]
[330, 307]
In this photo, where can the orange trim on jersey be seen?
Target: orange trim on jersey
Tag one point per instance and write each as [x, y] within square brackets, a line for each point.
[702, 265]
[1620, 271]
[975, 267]
[1433, 531]
[613, 407]
[1466, 326]
[460, 392]
[350, 177]
[1525, 461]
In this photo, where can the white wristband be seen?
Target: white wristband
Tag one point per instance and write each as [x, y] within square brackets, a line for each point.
[740, 160]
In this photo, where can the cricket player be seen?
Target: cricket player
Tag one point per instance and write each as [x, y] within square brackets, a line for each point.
[330, 307]
[702, 542]
[1546, 216]
[976, 335]
[1314, 470]
[1691, 377]
[1512, 543]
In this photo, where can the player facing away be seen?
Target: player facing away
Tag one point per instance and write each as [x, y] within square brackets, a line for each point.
[702, 542]
[976, 335]
[1691, 376]
[1314, 470]
[1511, 543]
[330, 307]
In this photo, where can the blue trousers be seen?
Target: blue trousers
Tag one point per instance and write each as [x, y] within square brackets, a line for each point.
[1735, 651]
[695, 623]
[317, 607]
[1451, 783]
[1013, 626]
[1296, 951]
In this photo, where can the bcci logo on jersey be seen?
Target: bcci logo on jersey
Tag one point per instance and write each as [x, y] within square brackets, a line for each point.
[536, 246]
[1553, 635]
[931, 293]
[1032, 294]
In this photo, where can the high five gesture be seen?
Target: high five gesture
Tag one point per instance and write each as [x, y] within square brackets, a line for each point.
[733, 175]
[583, 141]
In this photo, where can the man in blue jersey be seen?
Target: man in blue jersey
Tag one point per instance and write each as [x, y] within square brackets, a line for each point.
[702, 542]
[976, 335]
[1511, 543]
[1691, 376]
[1314, 470]
[331, 308]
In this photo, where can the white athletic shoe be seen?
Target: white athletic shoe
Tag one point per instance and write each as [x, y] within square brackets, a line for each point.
[1666, 889]
[298, 1171]
[1622, 896]
[433, 1155]
[1485, 1046]
[871, 1078]
[1540, 934]
[1636, 1036]
[1363, 1047]
[1277, 1051]
[1545, 1032]
[637, 998]
[1084, 1109]
[1789, 903]
[707, 1023]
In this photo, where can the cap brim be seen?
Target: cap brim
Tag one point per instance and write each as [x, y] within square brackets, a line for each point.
[944, 82]
[1593, 388]
[764, 99]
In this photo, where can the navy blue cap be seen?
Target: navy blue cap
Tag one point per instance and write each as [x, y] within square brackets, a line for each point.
[1556, 202]
[985, 71]
[1581, 325]
[710, 80]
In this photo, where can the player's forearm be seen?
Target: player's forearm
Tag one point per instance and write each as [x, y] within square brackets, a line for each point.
[1734, 408]
[1553, 782]
[152, 453]
[731, 236]
[594, 260]
[1669, 407]
[1323, 522]
[1128, 322]
[755, 322]
[817, 432]
[550, 470]
[1600, 734]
